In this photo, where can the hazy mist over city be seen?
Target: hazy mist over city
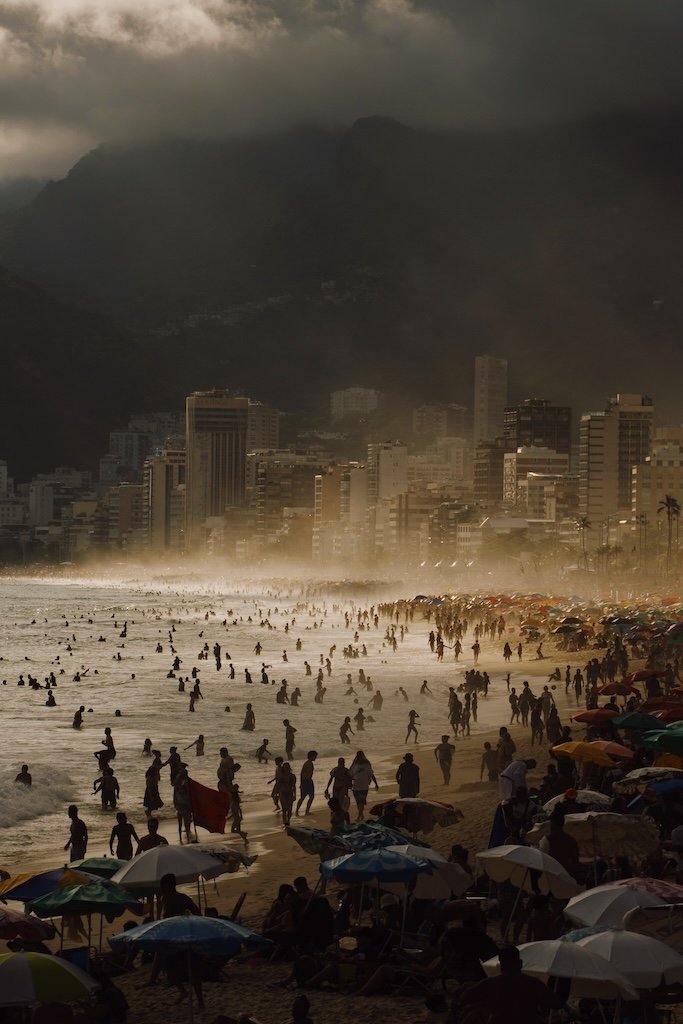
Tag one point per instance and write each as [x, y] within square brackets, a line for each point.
[334, 220]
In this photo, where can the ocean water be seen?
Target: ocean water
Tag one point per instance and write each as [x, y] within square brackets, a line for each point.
[41, 619]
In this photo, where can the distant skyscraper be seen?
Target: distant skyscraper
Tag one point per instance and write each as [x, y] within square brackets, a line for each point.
[535, 423]
[216, 441]
[611, 443]
[431, 421]
[163, 499]
[387, 470]
[490, 398]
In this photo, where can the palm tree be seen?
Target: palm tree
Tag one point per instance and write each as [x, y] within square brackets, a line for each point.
[672, 507]
[583, 523]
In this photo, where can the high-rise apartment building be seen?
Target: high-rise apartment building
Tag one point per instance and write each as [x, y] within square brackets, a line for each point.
[490, 397]
[517, 464]
[387, 470]
[612, 442]
[432, 421]
[163, 499]
[538, 424]
[488, 472]
[216, 450]
[263, 427]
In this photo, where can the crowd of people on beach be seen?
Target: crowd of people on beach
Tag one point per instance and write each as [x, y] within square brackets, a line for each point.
[357, 943]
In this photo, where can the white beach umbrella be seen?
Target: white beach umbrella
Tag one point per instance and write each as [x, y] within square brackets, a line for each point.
[591, 976]
[606, 834]
[516, 864]
[185, 862]
[607, 904]
[443, 880]
[646, 963]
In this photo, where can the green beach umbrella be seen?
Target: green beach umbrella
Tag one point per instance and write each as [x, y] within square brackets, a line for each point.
[103, 867]
[101, 897]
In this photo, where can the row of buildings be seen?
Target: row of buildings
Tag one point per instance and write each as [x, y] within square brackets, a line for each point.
[215, 480]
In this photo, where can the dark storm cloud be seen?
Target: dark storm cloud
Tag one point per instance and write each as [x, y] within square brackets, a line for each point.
[77, 72]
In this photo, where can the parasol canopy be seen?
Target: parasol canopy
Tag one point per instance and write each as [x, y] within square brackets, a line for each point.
[602, 833]
[16, 925]
[591, 975]
[32, 884]
[607, 904]
[374, 866]
[640, 778]
[212, 935]
[187, 863]
[646, 963]
[27, 978]
[586, 798]
[418, 815]
[99, 897]
[515, 864]
[584, 753]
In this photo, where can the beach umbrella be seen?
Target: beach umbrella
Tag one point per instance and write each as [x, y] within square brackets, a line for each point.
[32, 884]
[418, 815]
[646, 963]
[318, 842]
[374, 866]
[212, 935]
[190, 934]
[27, 978]
[664, 923]
[671, 715]
[364, 835]
[519, 864]
[615, 750]
[642, 674]
[603, 833]
[99, 897]
[595, 717]
[670, 739]
[381, 866]
[567, 628]
[584, 753]
[640, 778]
[443, 881]
[636, 721]
[591, 976]
[102, 867]
[16, 925]
[667, 892]
[607, 904]
[586, 798]
[187, 863]
[616, 690]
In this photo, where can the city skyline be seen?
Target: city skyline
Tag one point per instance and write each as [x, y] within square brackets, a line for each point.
[219, 482]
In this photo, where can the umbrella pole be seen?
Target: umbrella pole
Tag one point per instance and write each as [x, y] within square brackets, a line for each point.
[101, 920]
[514, 906]
[89, 937]
[360, 902]
[405, 914]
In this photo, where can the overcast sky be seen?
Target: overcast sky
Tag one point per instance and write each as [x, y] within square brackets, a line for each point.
[74, 73]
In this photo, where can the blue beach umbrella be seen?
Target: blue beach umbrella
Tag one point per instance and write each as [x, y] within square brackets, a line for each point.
[189, 934]
[380, 865]
[211, 935]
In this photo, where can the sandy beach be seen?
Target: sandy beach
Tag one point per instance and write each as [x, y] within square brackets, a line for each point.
[280, 859]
